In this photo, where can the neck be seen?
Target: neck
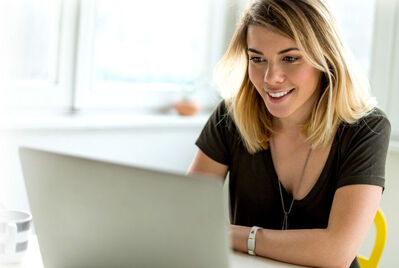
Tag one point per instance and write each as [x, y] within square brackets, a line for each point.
[292, 125]
[287, 124]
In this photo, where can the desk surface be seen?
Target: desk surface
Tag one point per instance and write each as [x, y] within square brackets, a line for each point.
[33, 259]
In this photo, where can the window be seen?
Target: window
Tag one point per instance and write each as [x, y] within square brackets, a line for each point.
[142, 53]
[385, 60]
[137, 43]
[30, 52]
[372, 34]
[36, 25]
[356, 27]
[69, 54]
[74, 54]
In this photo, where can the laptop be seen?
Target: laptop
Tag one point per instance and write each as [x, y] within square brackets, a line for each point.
[92, 213]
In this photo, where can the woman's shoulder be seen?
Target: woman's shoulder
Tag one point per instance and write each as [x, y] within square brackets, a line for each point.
[221, 109]
[376, 114]
[375, 124]
[222, 116]
[374, 120]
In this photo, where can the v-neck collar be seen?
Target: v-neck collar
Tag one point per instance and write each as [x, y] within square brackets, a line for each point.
[316, 187]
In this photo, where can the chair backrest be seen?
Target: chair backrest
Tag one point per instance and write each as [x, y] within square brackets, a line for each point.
[380, 238]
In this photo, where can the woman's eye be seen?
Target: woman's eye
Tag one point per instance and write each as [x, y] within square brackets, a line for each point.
[290, 59]
[257, 59]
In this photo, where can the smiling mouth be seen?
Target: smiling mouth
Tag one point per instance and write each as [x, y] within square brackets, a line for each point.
[279, 94]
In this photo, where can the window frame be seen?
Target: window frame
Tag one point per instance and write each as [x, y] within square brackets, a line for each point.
[25, 95]
[385, 61]
[138, 96]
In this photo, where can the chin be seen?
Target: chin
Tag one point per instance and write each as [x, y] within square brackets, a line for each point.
[280, 115]
[278, 112]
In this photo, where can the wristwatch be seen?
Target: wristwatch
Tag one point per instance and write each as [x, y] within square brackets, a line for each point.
[251, 240]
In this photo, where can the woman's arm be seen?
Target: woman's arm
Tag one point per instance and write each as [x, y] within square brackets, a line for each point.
[203, 164]
[351, 216]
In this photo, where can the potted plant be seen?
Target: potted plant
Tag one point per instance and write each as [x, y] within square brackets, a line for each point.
[187, 106]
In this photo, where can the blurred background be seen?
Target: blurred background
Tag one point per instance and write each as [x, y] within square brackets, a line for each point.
[99, 78]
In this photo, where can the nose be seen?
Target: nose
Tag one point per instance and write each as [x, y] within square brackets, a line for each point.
[274, 74]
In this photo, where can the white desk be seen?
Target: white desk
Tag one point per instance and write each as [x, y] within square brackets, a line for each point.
[239, 260]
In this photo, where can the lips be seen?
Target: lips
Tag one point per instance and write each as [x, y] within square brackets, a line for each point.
[276, 97]
[279, 94]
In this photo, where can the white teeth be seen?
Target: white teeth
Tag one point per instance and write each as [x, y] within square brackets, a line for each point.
[279, 94]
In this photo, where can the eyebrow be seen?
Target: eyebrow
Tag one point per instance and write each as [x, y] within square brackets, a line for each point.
[281, 52]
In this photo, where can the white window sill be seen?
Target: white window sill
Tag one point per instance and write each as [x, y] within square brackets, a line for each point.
[102, 122]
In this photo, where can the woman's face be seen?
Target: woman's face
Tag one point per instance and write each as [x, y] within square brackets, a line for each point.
[280, 74]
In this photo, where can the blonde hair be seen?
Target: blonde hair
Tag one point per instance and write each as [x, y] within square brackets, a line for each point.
[344, 90]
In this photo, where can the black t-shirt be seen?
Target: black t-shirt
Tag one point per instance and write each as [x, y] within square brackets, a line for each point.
[357, 156]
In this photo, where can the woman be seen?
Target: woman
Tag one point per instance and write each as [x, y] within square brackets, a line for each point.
[300, 136]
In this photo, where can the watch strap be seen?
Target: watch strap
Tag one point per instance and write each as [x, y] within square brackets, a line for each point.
[251, 240]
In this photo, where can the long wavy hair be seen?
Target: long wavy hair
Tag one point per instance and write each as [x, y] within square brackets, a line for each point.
[344, 89]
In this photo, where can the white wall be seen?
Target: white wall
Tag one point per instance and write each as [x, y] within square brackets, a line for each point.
[390, 207]
[159, 147]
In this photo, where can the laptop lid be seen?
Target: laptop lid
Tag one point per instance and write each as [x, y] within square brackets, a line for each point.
[91, 213]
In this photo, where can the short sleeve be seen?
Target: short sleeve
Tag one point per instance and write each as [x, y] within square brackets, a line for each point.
[213, 139]
[364, 150]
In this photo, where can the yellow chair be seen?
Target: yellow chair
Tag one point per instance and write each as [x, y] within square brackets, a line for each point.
[380, 238]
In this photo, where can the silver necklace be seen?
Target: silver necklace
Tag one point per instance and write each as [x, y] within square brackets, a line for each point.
[287, 212]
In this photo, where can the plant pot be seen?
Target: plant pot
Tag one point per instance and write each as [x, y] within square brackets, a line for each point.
[187, 108]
